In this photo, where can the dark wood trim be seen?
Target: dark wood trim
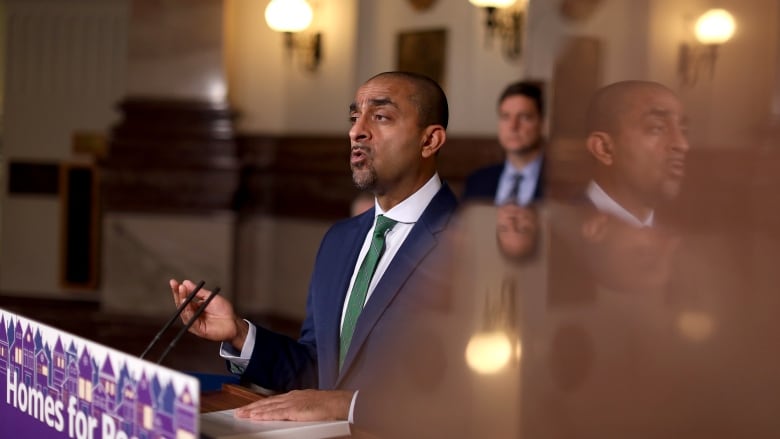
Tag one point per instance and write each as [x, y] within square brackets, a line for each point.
[309, 176]
[174, 156]
[171, 156]
[33, 178]
[185, 157]
[79, 227]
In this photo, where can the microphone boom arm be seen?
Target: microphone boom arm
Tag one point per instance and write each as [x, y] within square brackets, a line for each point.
[189, 324]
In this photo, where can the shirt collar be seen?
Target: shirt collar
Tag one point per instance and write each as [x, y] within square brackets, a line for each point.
[530, 171]
[605, 203]
[411, 209]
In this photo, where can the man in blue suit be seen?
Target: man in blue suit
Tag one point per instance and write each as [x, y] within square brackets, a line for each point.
[519, 179]
[399, 125]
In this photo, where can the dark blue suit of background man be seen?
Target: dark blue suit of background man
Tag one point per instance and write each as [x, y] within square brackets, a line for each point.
[398, 127]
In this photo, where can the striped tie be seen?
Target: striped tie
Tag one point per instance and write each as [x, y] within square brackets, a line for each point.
[514, 194]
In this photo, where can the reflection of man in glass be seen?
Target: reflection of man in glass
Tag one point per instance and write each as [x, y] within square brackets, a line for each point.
[516, 231]
[626, 258]
[637, 136]
[612, 294]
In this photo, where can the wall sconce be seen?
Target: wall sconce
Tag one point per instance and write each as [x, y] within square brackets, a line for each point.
[497, 343]
[292, 17]
[713, 28]
[505, 24]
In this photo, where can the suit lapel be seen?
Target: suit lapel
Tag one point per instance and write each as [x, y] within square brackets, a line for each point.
[334, 294]
[421, 240]
[495, 177]
[540, 182]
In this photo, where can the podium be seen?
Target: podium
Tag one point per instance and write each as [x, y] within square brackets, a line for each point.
[58, 385]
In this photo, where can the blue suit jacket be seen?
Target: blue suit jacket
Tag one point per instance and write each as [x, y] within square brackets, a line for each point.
[282, 364]
[482, 184]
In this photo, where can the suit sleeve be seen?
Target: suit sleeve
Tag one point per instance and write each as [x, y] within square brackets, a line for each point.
[281, 363]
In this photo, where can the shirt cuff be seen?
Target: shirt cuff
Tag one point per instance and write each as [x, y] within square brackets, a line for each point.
[239, 360]
[351, 417]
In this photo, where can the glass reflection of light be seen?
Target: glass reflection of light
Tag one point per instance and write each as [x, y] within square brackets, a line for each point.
[216, 89]
[489, 352]
[695, 325]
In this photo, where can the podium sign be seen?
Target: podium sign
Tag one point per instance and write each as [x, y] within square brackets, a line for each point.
[57, 385]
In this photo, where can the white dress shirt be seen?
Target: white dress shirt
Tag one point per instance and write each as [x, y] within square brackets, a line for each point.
[407, 213]
[605, 203]
[528, 184]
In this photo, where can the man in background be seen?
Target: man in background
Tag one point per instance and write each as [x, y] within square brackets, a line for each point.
[519, 179]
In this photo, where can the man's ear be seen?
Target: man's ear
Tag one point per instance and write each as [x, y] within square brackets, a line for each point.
[600, 146]
[433, 138]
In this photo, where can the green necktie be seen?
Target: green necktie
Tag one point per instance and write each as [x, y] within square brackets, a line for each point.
[363, 279]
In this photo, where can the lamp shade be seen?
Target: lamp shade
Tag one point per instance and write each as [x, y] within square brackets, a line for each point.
[288, 15]
[715, 26]
[492, 3]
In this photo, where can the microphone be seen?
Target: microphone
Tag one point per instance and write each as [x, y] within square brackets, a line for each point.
[189, 324]
[173, 318]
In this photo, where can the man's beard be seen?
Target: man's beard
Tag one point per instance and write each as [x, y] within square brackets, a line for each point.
[364, 178]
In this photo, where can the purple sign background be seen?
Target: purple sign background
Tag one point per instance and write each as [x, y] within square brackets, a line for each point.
[56, 385]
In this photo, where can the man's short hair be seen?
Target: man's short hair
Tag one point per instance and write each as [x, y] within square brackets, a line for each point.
[530, 89]
[430, 100]
[611, 101]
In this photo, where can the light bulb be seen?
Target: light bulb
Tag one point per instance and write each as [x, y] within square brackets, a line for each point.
[715, 26]
[288, 15]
